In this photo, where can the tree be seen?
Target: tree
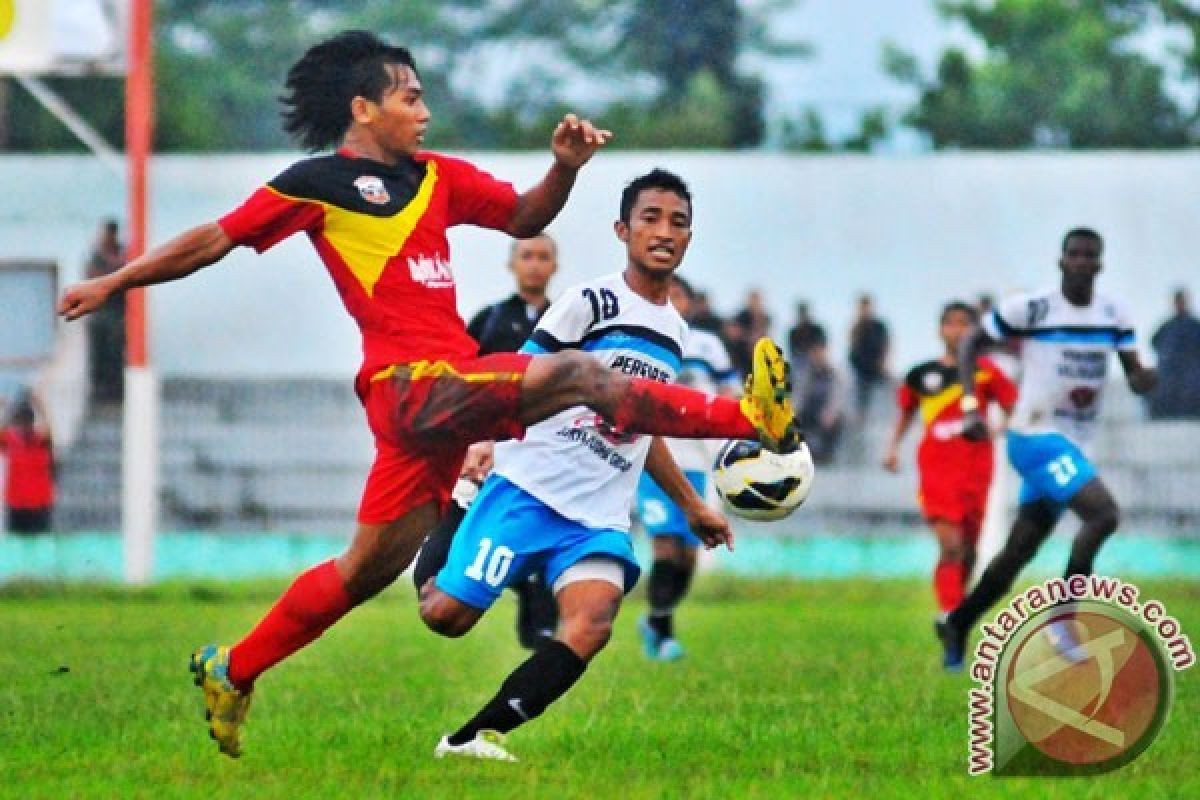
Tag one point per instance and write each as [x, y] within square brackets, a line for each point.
[666, 73]
[1056, 73]
[666, 54]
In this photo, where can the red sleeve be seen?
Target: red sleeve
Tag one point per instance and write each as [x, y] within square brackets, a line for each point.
[999, 387]
[906, 398]
[268, 217]
[476, 198]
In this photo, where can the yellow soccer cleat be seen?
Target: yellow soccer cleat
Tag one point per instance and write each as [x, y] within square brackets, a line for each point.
[767, 402]
[226, 705]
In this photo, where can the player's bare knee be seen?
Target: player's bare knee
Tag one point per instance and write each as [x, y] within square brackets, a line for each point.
[587, 634]
[953, 551]
[444, 615]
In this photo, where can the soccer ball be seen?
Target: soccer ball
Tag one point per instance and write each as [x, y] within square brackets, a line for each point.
[759, 484]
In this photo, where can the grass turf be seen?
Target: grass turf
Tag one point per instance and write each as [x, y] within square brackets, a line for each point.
[827, 689]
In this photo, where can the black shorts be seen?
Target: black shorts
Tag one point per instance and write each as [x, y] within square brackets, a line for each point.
[27, 520]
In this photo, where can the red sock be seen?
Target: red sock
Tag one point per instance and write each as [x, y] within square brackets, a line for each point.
[948, 580]
[668, 409]
[314, 601]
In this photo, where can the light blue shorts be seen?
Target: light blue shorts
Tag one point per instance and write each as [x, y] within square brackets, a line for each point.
[508, 534]
[660, 515]
[1051, 466]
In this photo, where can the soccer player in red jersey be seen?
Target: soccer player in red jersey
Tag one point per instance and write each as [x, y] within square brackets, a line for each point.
[376, 211]
[955, 473]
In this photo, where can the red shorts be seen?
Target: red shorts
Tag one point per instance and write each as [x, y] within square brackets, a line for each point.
[424, 416]
[955, 500]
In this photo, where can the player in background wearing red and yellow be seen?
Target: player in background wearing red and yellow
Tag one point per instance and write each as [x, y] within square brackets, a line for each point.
[376, 211]
[955, 473]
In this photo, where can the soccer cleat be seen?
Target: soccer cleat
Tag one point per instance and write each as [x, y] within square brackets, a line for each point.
[670, 650]
[486, 744]
[767, 401]
[226, 705]
[1061, 635]
[651, 641]
[954, 643]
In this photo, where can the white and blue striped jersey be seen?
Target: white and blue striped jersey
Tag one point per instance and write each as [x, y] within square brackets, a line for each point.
[574, 462]
[707, 368]
[1064, 358]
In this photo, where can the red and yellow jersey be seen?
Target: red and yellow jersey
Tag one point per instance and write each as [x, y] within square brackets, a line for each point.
[381, 232]
[933, 389]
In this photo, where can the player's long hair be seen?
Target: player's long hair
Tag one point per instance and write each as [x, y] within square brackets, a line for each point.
[328, 77]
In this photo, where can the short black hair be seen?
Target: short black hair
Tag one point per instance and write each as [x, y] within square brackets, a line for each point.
[958, 305]
[330, 75]
[1082, 233]
[654, 179]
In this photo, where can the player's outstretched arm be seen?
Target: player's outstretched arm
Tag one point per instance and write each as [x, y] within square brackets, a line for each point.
[178, 258]
[973, 345]
[574, 142]
[709, 525]
[1142, 379]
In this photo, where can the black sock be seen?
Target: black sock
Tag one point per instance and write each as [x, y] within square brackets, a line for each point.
[660, 594]
[526, 692]
[537, 612]
[668, 584]
[436, 549]
[1033, 524]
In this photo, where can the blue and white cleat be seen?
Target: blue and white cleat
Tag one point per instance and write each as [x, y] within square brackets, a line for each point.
[651, 641]
[670, 650]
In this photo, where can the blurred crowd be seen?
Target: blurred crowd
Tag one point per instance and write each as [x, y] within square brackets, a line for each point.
[831, 396]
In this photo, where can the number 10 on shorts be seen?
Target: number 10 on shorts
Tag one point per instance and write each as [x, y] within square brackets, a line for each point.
[498, 564]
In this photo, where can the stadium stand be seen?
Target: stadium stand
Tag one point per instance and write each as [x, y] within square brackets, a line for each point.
[290, 455]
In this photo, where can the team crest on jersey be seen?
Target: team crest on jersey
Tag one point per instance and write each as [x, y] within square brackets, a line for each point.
[1083, 396]
[372, 190]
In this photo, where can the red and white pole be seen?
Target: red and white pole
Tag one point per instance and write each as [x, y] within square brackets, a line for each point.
[139, 462]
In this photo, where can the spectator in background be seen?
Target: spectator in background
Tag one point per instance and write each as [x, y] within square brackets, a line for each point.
[504, 326]
[744, 329]
[702, 316]
[802, 336]
[869, 343]
[29, 479]
[106, 329]
[1177, 345]
[820, 397]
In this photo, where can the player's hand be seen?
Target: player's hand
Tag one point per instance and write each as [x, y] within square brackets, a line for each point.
[479, 461]
[974, 428]
[891, 460]
[84, 298]
[710, 526]
[576, 140]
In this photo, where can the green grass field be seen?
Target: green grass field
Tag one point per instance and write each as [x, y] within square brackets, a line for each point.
[826, 689]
